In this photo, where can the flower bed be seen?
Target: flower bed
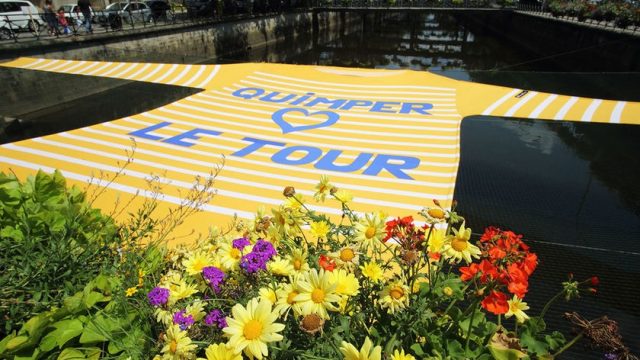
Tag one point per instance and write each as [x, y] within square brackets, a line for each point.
[296, 284]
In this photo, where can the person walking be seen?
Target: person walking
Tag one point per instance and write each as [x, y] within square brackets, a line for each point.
[51, 18]
[85, 7]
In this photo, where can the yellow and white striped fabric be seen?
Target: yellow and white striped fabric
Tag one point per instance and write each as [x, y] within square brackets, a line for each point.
[389, 137]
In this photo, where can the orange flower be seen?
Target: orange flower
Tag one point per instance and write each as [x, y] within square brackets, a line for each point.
[468, 272]
[496, 303]
[326, 263]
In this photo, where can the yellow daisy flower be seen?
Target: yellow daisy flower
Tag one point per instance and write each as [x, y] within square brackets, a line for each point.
[164, 316]
[372, 271]
[346, 283]
[286, 294]
[367, 352]
[323, 189]
[198, 261]
[435, 215]
[294, 202]
[400, 355]
[268, 295]
[251, 328]
[196, 309]
[178, 288]
[517, 308]
[343, 196]
[317, 294]
[436, 240]
[221, 352]
[394, 297]
[298, 260]
[347, 257]
[319, 229]
[287, 221]
[230, 256]
[131, 291]
[370, 231]
[279, 266]
[457, 246]
[177, 345]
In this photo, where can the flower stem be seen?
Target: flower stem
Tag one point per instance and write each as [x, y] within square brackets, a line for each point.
[473, 313]
[548, 304]
[568, 345]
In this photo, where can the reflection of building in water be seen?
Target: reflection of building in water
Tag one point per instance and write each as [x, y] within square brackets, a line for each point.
[419, 41]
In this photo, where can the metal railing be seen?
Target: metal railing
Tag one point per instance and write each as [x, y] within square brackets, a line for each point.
[628, 25]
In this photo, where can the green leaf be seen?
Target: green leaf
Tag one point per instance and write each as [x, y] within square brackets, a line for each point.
[455, 349]
[71, 353]
[533, 345]
[65, 331]
[94, 297]
[3, 343]
[417, 349]
[97, 329]
[93, 353]
[506, 354]
[16, 342]
[33, 356]
[35, 326]
[555, 340]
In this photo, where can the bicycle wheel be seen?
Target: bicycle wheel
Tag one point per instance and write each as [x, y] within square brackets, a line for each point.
[34, 27]
[5, 34]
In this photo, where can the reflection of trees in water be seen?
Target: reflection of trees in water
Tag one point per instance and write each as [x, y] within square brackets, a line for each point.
[613, 153]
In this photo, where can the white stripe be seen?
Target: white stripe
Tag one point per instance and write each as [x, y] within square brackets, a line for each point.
[617, 112]
[268, 164]
[565, 108]
[588, 114]
[500, 101]
[363, 91]
[181, 75]
[78, 64]
[366, 115]
[196, 76]
[212, 74]
[127, 189]
[161, 179]
[374, 143]
[104, 66]
[168, 73]
[131, 67]
[57, 68]
[353, 85]
[133, 76]
[86, 68]
[113, 70]
[45, 65]
[227, 167]
[158, 68]
[540, 108]
[525, 99]
[331, 129]
[38, 61]
[251, 184]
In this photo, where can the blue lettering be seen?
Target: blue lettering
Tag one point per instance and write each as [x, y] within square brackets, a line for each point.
[384, 107]
[351, 103]
[144, 133]
[191, 134]
[382, 162]
[420, 108]
[335, 104]
[256, 144]
[312, 153]
[270, 97]
[328, 162]
[242, 93]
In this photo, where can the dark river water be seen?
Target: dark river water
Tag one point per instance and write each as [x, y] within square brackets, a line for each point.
[571, 188]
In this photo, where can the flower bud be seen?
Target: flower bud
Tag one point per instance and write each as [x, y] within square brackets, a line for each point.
[312, 324]
[289, 191]
[447, 291]
[333, 190]
[435, 201]
[595, 281]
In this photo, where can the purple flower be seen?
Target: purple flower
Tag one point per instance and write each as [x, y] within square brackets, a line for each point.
[183, 321]
[214, 276]
[265, 248]
[216, 317]
[240, 243]
[610, 356]
[254, 262]
[158, 296]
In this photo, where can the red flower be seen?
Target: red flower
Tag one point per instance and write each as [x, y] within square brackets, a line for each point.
[595, 281]
[496, 253]
[326, 263]
[468, 272]
[490, 233]
[488, 271]
[530, 263]
[496, 303]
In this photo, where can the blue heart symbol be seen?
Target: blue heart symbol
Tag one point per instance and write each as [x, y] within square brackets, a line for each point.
[278, 118]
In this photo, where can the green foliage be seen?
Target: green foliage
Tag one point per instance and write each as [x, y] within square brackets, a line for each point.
[47, 234]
